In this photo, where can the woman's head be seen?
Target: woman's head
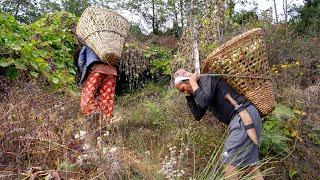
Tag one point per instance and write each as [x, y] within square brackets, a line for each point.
[181, 81]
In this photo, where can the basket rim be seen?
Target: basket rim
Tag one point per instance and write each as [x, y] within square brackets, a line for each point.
[231, 42]
[105, 10]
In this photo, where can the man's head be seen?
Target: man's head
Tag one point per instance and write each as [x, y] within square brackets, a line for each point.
[181, 81]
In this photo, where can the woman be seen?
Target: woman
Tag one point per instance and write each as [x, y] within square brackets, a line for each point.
[98, 85]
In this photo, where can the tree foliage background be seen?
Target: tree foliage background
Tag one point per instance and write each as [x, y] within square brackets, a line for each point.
[26, 27]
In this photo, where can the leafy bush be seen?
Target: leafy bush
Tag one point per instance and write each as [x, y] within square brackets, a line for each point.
[162, 58]
[277, 131]
[308, 19]
[43, 48]
[245, 17]
[136, 32]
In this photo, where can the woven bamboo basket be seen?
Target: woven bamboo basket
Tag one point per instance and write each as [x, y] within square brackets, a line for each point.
[243, 58]
[104, 32]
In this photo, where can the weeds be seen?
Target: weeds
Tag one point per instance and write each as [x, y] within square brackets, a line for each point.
[154, 137]
[278, 130]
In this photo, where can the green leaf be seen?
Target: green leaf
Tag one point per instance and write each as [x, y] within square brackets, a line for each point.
[39, 60]
[5, 62]
[72, 71]
[12, 73]
[283, 112]
[66, 166]
[55, 80]
[59, 65]
[34, 74]
[15, 47]
[292, 173]
[147, 55]
[20, 64]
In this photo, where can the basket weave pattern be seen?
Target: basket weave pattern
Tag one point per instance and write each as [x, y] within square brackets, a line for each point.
[103, 31]
[244, 55]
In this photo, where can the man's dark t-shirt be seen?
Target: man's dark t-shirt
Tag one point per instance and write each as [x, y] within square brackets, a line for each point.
[211, 96]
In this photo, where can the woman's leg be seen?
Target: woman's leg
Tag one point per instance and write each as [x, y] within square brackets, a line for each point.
[88, 103]
[107, 96]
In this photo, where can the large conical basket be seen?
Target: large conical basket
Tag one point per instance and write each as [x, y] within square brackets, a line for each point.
[241, 58]
[104, 32]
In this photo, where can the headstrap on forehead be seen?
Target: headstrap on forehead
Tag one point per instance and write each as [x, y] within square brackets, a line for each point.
[180, 79]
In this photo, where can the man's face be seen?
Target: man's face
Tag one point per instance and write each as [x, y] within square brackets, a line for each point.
[184, 87]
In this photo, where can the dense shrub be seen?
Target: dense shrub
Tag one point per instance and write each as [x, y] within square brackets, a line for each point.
[308, 19]
[43, 48]
[278, 130]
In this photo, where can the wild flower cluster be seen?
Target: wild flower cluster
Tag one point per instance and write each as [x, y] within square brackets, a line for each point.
[171, 166]
[94, 152]
[277, 69]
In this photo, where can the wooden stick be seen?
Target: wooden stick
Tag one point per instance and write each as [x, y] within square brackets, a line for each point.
[237, 76]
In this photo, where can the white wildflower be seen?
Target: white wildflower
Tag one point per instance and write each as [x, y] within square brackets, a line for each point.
[81, 135]
[86, 147]
[106, 134]
[104, 151]
[170, 164]
[81, 158]
[112, 150]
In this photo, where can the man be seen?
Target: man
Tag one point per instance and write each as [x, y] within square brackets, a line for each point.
[208, 93]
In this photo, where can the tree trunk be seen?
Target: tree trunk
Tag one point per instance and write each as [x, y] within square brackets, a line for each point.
[154, 21]
[275, 11]
[175, 14]
[181, 13]
[17, 9]
[285, 9]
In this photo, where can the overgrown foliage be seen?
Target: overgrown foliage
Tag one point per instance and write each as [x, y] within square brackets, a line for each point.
[277, 132]
[161, 60]
[308, 18]
[43, 48]
[25, 11]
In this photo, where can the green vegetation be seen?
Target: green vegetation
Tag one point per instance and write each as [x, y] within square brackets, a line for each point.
[308, 17]
[276, 133]
[43, 48]
[161, 60]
